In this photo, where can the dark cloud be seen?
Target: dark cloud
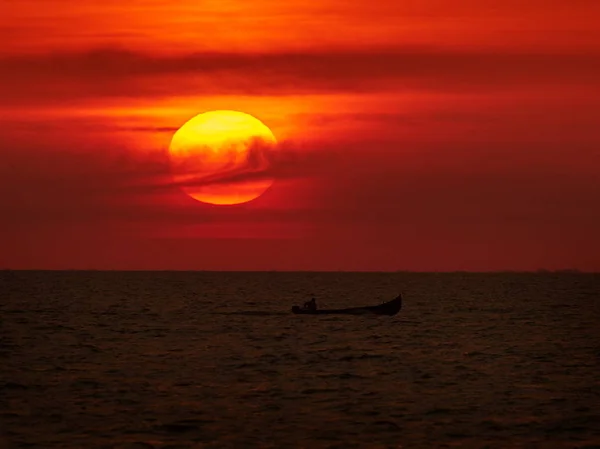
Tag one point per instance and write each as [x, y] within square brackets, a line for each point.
[283, 162]
[71, 179]
[115, 72]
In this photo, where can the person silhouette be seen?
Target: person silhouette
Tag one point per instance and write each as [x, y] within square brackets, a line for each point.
[310, 305]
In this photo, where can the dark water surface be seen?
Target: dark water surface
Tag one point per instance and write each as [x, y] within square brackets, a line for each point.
[215, 360]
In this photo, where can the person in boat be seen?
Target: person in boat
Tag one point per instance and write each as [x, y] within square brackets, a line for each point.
[310, 305]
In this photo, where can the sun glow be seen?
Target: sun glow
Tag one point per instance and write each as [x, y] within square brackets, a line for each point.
[222, 157]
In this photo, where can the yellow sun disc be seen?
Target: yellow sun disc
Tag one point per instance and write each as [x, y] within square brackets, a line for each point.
[222, 157]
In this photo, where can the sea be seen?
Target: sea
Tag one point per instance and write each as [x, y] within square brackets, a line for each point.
[108, 359]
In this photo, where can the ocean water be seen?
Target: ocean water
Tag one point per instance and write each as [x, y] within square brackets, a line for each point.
[216, 360]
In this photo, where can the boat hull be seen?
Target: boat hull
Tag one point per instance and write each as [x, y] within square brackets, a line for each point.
[389, 308]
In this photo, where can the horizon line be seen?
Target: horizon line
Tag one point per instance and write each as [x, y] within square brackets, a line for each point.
[168, 270]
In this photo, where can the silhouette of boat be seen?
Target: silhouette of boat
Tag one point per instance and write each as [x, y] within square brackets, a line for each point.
[387, 308]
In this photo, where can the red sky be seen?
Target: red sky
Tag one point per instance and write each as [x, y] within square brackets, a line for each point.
[427, 135]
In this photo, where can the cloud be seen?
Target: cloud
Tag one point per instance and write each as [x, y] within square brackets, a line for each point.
[122, 73]
[66, 179]
[282, 162]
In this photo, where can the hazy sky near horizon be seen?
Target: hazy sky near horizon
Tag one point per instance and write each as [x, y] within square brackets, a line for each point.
[427, 135]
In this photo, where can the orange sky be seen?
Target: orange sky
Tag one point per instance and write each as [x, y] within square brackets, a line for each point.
[417, 135]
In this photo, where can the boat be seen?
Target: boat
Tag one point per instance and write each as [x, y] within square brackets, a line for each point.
[387, 308]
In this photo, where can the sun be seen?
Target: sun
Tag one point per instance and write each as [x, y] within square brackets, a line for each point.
[222, 157]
